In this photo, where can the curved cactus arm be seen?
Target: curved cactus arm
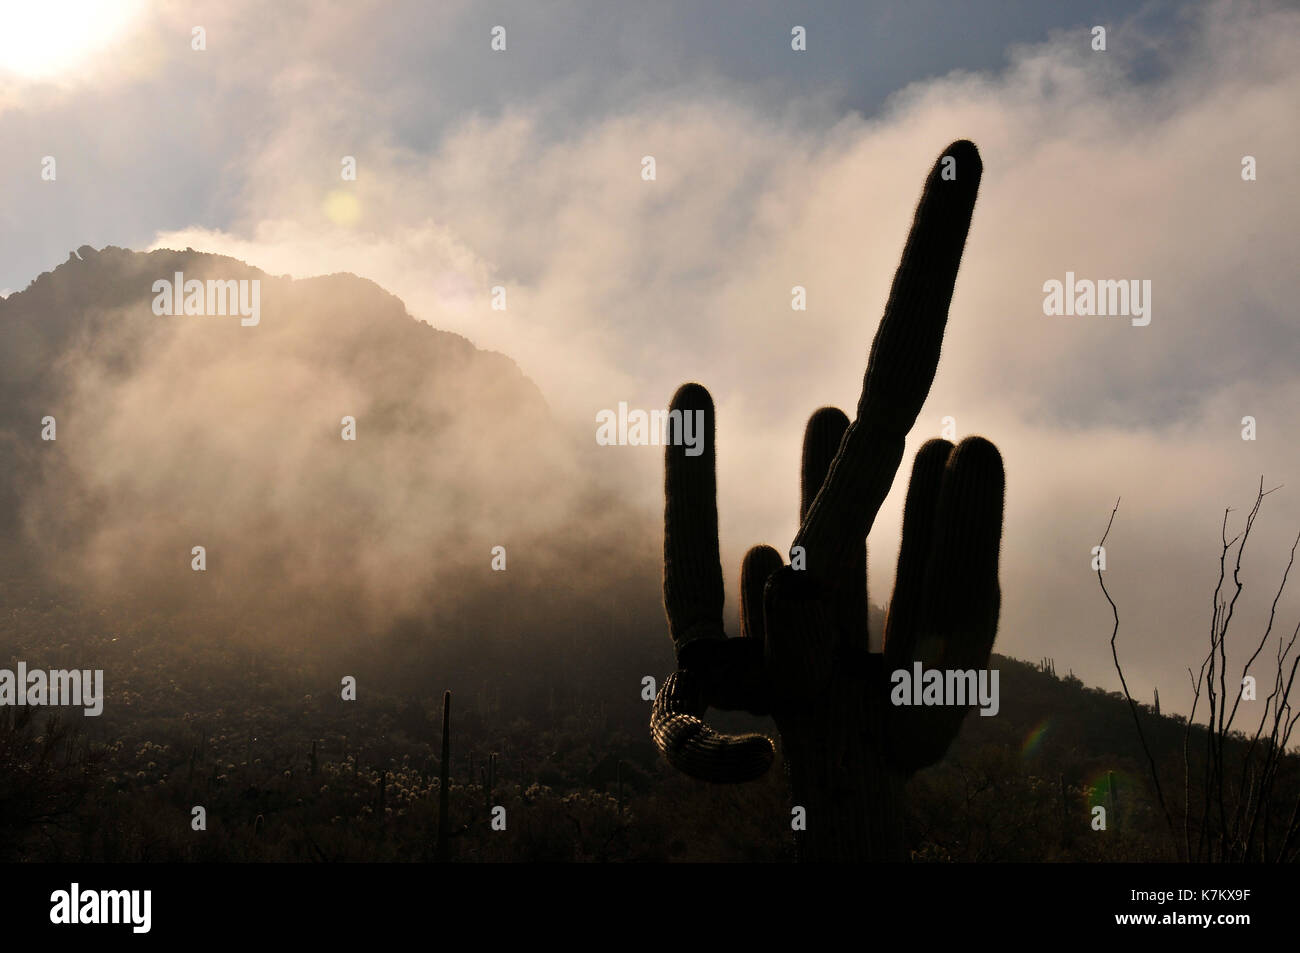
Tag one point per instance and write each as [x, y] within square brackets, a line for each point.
[900, 368]
[694, 748]
[712, 669]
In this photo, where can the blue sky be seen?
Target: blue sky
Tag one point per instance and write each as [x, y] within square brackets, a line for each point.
[150, 150]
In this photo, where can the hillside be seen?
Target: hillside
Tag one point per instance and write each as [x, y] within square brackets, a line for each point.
[345, 467]
[329, 558]
[288, 772]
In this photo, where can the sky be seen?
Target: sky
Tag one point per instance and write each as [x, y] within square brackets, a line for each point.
[522, 168]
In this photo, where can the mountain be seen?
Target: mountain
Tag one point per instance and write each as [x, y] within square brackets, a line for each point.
[230, 431]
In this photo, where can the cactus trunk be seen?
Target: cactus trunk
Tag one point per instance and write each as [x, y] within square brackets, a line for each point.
[851, 795]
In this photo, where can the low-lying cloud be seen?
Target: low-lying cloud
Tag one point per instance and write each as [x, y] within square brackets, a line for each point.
[620, 289]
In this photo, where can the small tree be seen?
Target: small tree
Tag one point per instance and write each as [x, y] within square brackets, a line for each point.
[1244, 815]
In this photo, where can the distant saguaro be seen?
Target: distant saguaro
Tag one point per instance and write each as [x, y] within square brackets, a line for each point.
[444, 782]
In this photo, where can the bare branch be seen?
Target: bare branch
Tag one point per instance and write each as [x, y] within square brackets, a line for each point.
[1155, 775]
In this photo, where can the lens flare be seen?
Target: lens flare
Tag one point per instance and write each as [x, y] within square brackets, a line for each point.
[1034, 740]
[342, 208]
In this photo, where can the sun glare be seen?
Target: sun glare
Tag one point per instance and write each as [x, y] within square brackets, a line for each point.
[47, 39]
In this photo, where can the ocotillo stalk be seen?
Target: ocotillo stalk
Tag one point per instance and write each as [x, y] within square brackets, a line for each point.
[1157, 701]
[444, 781]
[803, 653]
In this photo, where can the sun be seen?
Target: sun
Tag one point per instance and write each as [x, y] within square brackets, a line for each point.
[47, 39]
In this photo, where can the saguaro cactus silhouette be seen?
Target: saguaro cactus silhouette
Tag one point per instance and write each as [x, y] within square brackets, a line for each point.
[802, 655]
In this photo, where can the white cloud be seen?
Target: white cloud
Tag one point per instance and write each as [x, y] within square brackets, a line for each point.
[621, 289]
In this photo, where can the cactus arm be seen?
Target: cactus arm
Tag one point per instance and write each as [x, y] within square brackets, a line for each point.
[697, 750]
[900, 368]
[712, 669]
[821, 444]
[759, 564]
[946, 602]
[693, 592]
[903, 621]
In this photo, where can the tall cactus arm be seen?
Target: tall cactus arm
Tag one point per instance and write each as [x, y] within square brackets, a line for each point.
[900, 368]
